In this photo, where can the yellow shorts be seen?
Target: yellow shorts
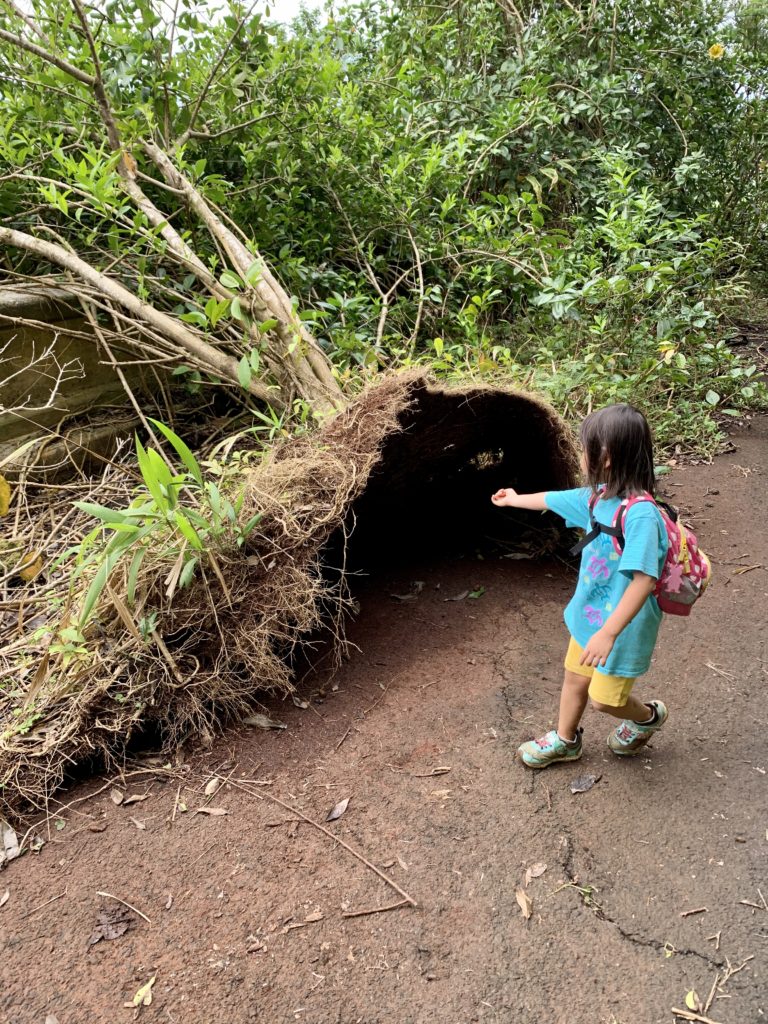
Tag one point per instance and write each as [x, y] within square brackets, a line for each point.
[612, 690]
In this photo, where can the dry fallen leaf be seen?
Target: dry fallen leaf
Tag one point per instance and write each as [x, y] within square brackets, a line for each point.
[303, 704]
[215, 812]
[5, 897]
[97, 826]
[50, 1019]
[31, 566]
[144, 996]
[212, 786]
[9, 846]
[313, 917]
[116, 797]
[262, 722]
[458, 597]
[139, 824]
[111, 924]
[692, 1001]
[338, 810]
[169, 902]
[534, 871]
[440, 794]
[525, 902]
[401, 862]
[584, 783]
[5, 496]
[135, 798]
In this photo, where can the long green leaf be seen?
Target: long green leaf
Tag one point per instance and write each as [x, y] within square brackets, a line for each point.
[133, 574]
[150, 480]
[181, 449]
[106, 515]
[97, 585]
[188, 530]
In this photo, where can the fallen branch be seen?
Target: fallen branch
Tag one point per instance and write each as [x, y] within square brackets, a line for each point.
[690, 1015]
[375, 910]
[327, 832]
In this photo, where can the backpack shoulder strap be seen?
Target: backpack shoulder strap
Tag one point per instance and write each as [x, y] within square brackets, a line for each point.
[595, 528]
[624, 507]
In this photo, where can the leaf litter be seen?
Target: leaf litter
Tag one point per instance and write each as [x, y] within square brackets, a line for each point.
[9, 849]
[525, 903]
[584, 783]
[534, 871]
[111, 924]
[143, 997]
[337, 811]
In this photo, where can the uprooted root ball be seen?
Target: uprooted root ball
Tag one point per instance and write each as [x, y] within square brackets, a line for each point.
[403, 457]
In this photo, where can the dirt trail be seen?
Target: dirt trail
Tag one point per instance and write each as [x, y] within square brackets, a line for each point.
[442, 684]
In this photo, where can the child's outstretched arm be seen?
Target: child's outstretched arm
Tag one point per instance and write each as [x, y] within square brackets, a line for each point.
[600, 644]
[507, 497]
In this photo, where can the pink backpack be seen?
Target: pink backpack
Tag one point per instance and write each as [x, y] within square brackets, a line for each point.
[686, 570]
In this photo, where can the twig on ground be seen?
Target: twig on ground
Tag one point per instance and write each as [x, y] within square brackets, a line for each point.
[548, 795]
[176, 804]
[47, 903]
[756, 906]
[349, 729]
[716, 937]
[109, 895]
[718, 983]
[377, 701]
[746, 568]
[375, 910]
[719, 671]
[690, 1015]
[697, 910]
[321, 828]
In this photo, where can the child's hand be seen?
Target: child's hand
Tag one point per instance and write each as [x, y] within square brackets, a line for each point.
[504, 496]
[597, 649]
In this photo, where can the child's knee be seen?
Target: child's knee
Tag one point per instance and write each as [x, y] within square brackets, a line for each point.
[606, 709]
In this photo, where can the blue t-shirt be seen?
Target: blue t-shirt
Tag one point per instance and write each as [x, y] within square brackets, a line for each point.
[605, 575]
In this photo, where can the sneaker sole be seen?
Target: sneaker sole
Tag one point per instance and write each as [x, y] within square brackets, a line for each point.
[554, 760]
[628, 753]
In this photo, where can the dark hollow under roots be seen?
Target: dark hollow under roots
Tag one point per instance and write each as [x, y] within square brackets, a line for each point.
[429, 493]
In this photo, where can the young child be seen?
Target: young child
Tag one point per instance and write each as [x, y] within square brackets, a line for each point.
[613, 618]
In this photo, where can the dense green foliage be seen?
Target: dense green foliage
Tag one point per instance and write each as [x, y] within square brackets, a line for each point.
[563, 194]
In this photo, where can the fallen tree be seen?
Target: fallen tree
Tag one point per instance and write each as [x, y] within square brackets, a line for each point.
[86, 667]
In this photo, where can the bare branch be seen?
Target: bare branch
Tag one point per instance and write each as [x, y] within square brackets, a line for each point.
[50, 58]
[216, 361]
[182, 139]
[47, 364]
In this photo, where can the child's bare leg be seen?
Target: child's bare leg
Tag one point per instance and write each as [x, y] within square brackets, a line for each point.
[573, 700]
[634, 710]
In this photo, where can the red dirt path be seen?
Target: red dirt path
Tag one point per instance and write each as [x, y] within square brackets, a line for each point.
[435, 684]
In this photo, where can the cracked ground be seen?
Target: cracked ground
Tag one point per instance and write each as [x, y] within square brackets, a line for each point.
[246, 910]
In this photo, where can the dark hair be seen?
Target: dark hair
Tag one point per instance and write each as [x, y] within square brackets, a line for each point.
[619, 435]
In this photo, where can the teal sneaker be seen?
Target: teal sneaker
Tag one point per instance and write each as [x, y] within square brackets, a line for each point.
[629, 738]
[548, 749]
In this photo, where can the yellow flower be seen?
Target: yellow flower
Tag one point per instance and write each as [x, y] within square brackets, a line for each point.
[716, 52]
